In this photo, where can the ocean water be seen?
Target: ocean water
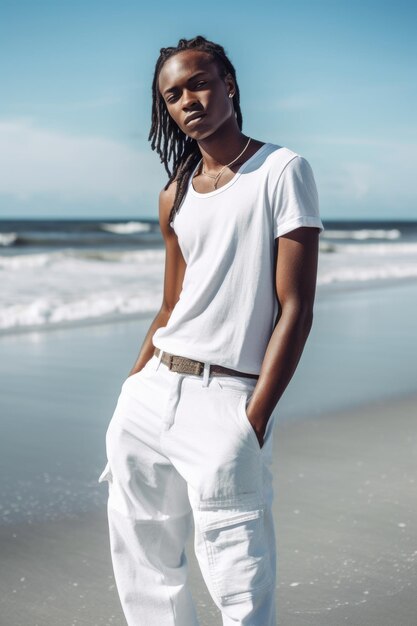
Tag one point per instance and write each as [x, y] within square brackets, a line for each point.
[56, 272]
[58, 390]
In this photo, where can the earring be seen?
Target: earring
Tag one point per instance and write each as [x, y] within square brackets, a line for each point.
[231, 95]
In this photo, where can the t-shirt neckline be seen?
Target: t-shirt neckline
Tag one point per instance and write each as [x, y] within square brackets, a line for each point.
[241, 169]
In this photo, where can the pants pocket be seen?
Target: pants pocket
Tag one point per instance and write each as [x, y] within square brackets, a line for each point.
[147, 370]
[244, 420]
[238, 557]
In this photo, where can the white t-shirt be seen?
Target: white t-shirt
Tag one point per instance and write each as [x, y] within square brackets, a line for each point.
[227, 307]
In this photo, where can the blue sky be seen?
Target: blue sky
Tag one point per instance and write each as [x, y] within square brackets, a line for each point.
[333, 81]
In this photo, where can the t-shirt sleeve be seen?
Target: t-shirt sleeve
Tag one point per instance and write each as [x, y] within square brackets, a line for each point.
[295, 201]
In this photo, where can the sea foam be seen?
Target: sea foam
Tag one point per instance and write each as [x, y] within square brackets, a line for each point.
[73, 284]
[127, 228]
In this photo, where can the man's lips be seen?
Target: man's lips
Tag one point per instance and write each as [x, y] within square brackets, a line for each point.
[194, 118]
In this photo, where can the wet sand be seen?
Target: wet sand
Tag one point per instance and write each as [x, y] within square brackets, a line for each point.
[344, 465]
[346, 520]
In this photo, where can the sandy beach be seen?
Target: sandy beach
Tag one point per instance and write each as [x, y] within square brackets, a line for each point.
[344, 467]
[346, 532]
[236, 141]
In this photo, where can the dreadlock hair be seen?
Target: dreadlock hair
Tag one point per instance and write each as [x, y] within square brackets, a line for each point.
[166, 137]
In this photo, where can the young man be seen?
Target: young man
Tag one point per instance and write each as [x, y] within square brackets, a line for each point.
[191, 434]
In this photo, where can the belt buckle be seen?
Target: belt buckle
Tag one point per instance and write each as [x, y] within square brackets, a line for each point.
[184, 365]
[175, 363]
[193, 367]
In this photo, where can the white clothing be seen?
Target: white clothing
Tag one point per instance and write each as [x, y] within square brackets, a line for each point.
[227, 307]
[180, 447]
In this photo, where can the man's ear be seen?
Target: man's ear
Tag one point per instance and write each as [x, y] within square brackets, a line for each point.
[230, 84]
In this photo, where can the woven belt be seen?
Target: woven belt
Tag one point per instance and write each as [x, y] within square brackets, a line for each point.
[189, 366]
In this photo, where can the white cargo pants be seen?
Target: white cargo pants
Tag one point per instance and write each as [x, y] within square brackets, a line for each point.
[181, 445]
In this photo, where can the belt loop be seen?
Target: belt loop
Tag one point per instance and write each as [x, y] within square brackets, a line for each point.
[159, 357]
[206, 374]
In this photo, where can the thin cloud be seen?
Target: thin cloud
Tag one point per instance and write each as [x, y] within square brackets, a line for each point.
[36, 161]
[384, 183]
[120, 94]
[297, 102]
[375, 171]
[76, 105]
[291, 102]
[97, 103]
[349, 140]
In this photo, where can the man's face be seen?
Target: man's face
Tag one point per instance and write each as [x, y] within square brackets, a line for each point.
[196, 96]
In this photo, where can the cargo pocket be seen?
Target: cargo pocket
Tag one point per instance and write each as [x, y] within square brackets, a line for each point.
[238, 557]
[118, 499]
[106, 474]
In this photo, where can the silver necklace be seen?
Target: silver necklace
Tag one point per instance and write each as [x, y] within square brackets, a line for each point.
[217, 176]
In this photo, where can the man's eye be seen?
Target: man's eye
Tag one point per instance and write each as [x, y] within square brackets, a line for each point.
[200, 83]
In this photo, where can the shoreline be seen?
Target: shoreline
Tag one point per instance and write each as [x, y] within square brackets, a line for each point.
[323, 292]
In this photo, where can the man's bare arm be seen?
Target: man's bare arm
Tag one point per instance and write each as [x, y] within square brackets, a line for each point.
[173, 277]
[296, 274]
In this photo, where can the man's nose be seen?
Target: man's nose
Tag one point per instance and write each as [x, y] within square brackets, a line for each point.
[189, 99]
